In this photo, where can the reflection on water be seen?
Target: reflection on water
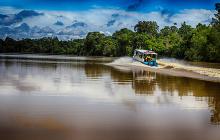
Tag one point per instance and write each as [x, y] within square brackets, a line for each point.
[77, 99]
[148, 83]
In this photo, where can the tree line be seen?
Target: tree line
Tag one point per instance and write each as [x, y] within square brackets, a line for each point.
[201, 43]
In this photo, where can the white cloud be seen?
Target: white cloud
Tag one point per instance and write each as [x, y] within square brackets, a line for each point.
[193, 16]
[97, 18]
[8, 10]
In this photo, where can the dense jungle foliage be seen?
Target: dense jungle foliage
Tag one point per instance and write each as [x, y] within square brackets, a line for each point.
[201, 43]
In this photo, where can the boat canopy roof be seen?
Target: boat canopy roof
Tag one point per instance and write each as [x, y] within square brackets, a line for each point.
[145, 51]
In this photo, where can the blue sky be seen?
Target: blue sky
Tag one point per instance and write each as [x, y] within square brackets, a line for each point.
[133, 5]
[69, 19]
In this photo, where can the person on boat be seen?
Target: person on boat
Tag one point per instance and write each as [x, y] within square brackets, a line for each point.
[148, 58]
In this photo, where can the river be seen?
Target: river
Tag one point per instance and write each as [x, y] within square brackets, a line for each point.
[83, 98]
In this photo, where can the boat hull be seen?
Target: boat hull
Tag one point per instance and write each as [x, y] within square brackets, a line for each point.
[149, 63]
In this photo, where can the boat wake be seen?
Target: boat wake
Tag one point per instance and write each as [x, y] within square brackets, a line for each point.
[211, 72]
[122, 61]
[128, 62]
[172, 68]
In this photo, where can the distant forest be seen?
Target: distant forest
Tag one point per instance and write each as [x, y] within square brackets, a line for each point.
[201, 43]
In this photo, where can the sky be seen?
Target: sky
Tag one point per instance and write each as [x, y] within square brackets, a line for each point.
[74, 18]
[134, 5]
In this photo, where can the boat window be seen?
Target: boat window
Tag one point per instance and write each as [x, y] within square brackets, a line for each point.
[140, 55]
[154, 56]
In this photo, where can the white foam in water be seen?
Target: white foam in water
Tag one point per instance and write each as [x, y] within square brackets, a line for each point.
[128, 61]
[122, 61]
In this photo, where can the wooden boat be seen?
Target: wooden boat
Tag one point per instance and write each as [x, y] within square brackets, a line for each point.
[146, 57]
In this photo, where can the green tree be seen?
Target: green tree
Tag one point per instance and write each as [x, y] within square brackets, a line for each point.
[9, 45]
[214, 45]
[148, 27]
[198, 44]
[171, 40]
[93, 43]
[216, 20]
[1, 45]
[124, 41]
[139, 41]
[155, 44]
[76, 46]
[109, 46]
[165, 31]
[214, 41]
[185, 31]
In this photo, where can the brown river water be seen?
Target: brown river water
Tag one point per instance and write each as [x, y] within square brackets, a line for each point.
[82, 98]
